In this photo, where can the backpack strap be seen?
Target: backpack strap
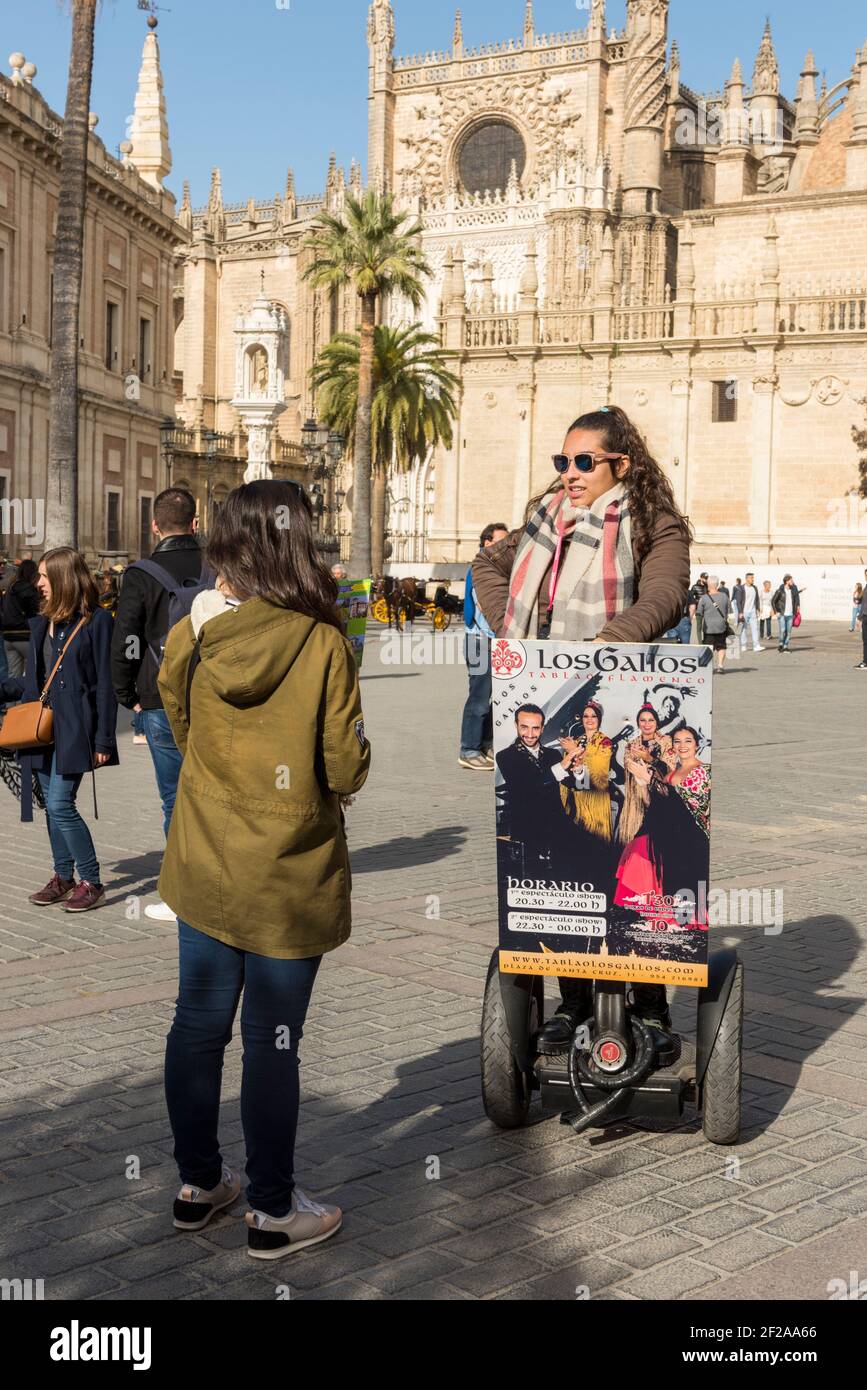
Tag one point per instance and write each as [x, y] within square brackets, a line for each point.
[156, 572]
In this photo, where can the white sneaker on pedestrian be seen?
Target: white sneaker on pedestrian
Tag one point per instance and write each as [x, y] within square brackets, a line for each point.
[160, 912]
[308, 1223]
[758, 649]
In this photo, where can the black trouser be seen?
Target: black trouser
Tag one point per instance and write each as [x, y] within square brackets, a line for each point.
[765, 628]
[864, 637]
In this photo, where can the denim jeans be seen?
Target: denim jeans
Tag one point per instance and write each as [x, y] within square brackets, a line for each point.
[766, 628]
[785, 628]
[682, 632]
[477, 725]
[276, 997]
[751, 625]
[71, 840]
[856, 612]
[166, 757]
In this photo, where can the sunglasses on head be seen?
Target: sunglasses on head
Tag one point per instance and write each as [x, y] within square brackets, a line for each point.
[585, 463]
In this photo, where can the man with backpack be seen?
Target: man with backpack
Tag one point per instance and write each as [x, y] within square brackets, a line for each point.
[156, 594]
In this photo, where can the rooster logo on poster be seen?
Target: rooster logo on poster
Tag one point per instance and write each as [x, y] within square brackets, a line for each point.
[603, 807]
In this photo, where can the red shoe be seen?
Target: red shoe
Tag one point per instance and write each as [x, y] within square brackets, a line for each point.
[85, 897]
[57, 891]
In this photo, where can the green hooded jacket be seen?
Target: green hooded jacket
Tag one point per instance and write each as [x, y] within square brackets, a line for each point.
[257, 853]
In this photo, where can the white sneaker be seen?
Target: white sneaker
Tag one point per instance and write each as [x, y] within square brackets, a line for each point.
[758, 649]
[160, 912]
[308, 1223]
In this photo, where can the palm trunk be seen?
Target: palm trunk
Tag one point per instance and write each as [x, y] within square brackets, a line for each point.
[360, 557]
[378, 522]
[61, 521]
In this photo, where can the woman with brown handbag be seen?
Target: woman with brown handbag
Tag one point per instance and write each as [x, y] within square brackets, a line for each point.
[68, 676]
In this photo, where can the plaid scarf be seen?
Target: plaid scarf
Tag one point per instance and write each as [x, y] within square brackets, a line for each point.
[596, 578]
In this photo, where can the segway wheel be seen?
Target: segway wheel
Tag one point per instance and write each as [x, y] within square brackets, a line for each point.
[506, 1090]
[721, 1107]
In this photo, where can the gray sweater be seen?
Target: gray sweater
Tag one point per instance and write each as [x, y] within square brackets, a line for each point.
[714, 612]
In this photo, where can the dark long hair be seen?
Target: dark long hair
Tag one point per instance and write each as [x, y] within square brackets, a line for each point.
[262, 545]
[648, 489]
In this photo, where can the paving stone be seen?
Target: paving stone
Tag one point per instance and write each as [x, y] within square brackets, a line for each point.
[584, 1280]
[721, 1221]
[803, 1224]
[645, 1216]
[740, 1252]
[645, 1251]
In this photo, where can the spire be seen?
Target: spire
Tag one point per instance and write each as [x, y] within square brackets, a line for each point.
[458, 37]
[185, 211]
[596, 23]
[529, 26]
[149, 131]
[807, 105]
[766, 73]
[290, 205]
[215, 197]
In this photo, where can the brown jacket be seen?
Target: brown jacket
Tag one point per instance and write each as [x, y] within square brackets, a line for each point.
[661, 585]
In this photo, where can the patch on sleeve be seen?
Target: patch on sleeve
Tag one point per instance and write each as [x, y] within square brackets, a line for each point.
[359, 733]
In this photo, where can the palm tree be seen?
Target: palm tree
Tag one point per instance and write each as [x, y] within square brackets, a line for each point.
[61, 520]
[374, 249]
[412, 406]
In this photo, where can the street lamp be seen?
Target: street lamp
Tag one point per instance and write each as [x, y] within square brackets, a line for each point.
[167, 442]
[323, 452]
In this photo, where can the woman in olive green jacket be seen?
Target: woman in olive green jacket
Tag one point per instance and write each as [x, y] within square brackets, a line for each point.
[261, 690]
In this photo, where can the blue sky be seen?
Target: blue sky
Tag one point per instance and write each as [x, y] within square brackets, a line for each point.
[257, 85]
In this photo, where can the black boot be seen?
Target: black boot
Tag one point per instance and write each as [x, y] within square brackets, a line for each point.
[650, 1004]
[576, 1005]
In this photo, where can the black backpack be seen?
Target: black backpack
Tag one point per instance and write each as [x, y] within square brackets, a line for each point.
[182, 595]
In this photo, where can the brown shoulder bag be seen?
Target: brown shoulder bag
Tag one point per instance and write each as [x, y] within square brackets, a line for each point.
[31, 725]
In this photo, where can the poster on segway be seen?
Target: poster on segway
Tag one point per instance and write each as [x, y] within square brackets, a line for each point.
[353, 605]
[603, 780]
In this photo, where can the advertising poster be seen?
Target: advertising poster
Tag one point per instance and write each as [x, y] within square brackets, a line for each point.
[603, 778]
[353, 604]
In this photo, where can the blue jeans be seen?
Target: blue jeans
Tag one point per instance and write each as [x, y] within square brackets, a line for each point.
[166, 757]
[71, 840]
[785, 628]
[856, 613]
[681, 633]
[477, 725]
[276, 997]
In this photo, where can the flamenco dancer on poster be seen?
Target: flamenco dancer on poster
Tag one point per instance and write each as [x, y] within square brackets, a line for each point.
[544, 841]
[603, 556]
[673, 838]
[649, 748]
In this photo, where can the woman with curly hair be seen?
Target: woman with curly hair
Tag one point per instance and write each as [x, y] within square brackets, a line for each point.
[604, 552]
[603, 556]
[649, 747]
[590, 805]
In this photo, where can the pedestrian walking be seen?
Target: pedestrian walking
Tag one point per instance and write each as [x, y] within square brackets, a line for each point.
[857, 597]
[766, 610]
[20, 603]
[261, 690]
[787, 606]
[68, 668]
[603, 556]
[750, 613]
[716, 610]
[140, 632]
[477, 729]
[738, 595]
[862, 623]
[696, 594]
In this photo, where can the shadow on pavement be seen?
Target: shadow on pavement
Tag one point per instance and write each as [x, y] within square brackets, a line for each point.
[404, 852]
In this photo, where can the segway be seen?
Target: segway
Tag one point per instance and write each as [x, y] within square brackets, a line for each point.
[616, 1066]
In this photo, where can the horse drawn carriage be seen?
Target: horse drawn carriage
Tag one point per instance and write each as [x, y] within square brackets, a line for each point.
[396, 602]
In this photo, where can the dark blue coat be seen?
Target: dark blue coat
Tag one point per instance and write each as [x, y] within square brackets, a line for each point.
[82, 696]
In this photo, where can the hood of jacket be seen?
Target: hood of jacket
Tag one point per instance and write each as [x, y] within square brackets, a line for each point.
[250, 648]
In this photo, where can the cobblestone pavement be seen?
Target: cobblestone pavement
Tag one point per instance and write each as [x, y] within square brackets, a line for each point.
[390, 1056]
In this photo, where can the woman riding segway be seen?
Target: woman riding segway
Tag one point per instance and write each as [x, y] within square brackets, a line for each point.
[603, 556]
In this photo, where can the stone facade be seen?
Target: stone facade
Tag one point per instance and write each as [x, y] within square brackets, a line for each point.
[131, 234]
[697, 259]
[597, 231]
